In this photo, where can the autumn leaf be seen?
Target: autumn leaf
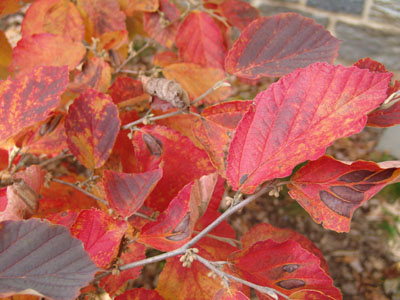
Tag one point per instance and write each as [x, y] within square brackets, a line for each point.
[200, 41]
[139, 294]
[115, 282]
[224, 294]
[162, 29]
[9, 7]
[216, 129]
[165, 58]
[370, 64]
[178, 170]
[100, 233]
[239, 13]
[331, 190]
[35, 255]
[30, 99]
[92, 126]
[103, 20]
[296, 118]
[275, 46]
[5, 55]
[96, 74]
[46, 49]
[196, 80]
[285, 267]
[265, 231]
[175, 226]
[130, 6]
[125, 88]
[59, 17]
[127, 192]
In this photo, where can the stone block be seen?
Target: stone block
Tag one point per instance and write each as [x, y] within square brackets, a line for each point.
[385, 11]
[344, 6]
[360, 41]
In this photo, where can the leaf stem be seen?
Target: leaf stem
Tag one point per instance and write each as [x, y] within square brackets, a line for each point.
[263, 289]
[216, 86]
[137, 122]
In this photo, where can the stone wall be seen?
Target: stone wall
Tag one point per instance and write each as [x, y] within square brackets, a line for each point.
[365, 27]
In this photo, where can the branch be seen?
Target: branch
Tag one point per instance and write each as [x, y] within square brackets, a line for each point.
[194, 240]
[263, 289]
[151, 119]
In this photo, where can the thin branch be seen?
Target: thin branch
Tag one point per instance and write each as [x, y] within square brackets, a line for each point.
[263, 289]
[194, 240]
[132, 55]
[216, 86]
[230, 241]
[140, 121]
[80, 189]
[61, 156]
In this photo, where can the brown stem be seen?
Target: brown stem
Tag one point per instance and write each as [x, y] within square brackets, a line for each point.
[137, 122]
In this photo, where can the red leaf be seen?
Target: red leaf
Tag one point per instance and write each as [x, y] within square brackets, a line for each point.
[200, 41]
[125, 88]
[296, 118]
[154, 24]
[310, 295]
[46, 49]
[34, 255]
[175, 226]
[277, 45]
[96, 74]
[60, 17]
[371, 65]
[331, 190]
[178, 170]
[127, 192]
[104, 20]
[216, 129]
[166, 58]
[140, 294]
[100, 233]
[389, 116]
[30, 99]
[264, 231]
[239, 13]
[230, 294]
[92, 126]
[113, 283]
[285, 267]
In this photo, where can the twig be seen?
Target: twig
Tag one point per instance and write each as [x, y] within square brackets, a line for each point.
[194, 240]
[80, 189]
[231, 241]
[61, 156]
[137, 122]
[216, 86]
[263, 289]
[132, 55]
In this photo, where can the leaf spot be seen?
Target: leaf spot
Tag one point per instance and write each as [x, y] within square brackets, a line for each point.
[290, 284]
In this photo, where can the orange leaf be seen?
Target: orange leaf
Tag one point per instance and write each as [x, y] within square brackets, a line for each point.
[331, 190]
[9, 7]
[200, 41]
[296, 118]
[165, 58]
[130, 6]
[104, 20]
[224, 294]
[30, 99]
[113, 283]
[196, 80]
[178, 170]
[59, 17]
[96, 74]
[277, 45]
[127, 192]
[46, 49]
[100, 233]
[92, 126]
[5, 55]
[216, 129]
